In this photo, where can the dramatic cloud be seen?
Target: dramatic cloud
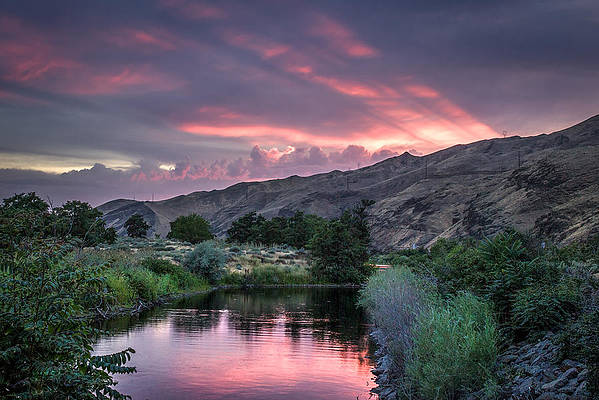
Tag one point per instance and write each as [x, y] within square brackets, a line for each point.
[149, 180]
[210, 93]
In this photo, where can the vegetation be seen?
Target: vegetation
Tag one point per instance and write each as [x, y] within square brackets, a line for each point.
[136, 226]
[339, 248]
[45, 345]
[190, 228]
[207, 260]
[449, 303]
[295, 231]
[25, 218]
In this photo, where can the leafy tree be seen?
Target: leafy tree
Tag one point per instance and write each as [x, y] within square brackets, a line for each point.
[137, 226]
[79, 219]
[45, 344]
[339, 249]
[23, 218]
[245, 229]
[190, 228]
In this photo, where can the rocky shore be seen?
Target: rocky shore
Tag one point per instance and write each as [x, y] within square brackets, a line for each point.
[532, 371]
[527, 371]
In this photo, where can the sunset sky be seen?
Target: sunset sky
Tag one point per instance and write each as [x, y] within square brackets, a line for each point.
[108, 99]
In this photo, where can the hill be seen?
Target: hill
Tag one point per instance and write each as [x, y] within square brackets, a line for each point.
[546, 184]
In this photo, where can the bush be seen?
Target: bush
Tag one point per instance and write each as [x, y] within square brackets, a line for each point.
[207, 260]
[118, 284]
[394, 298]
[191, 228]
[144, 282]
[542, 308]
[45, 344]
[455, 346]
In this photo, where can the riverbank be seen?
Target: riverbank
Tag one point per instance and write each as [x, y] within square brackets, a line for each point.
[142, 306]
[496, 319]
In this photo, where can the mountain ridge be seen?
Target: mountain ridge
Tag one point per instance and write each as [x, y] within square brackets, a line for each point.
[473, 189]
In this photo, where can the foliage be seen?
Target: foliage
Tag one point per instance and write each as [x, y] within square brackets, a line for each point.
[295, 231]
[137, 226]
[45, 345]
[190, 228]
[339, 249]
[269, 274]
[79, 219]
[25, 218]
[541, 308]
[455, 346]
[436, 348]
[580, 341]
[394, 299]
[207, 260]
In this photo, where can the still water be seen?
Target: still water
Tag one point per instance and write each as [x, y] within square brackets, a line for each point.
[300, 343]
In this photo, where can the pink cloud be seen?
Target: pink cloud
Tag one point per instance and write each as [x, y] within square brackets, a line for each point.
[131, 79]
[27, 55]
[264, 47]
[150, 39]
[341, 39]
[194, 9]
[422, 91]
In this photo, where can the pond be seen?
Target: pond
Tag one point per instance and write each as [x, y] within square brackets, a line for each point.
[283, 343]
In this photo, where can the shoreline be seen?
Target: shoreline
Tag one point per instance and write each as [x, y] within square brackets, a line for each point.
[140, 306]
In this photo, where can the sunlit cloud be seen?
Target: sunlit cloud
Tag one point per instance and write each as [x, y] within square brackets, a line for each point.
[143, 38]
[340, 38]
[264, 47]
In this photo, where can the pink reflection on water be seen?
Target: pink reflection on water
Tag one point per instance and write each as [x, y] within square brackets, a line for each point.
[286, 355]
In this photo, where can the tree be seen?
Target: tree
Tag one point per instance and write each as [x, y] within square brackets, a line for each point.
[45, 344]
[246, 229]
[79, 219]
[339, 249]
[23, 218]
[137, 226]
[190, 228]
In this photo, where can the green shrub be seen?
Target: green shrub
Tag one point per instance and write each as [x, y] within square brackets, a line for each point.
[167, 284]
[136, 226]
[207, 260]
[45, 344]
[455, 346]
[580, 341]
[541, 308]
[160, 266]
[144, 282]
[394, 298]
[118, 284]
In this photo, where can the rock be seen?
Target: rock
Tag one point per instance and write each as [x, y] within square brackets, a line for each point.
[567, 364]
[570, 373]
[583, 375]
[554, 385]
[570, 387]
[581, 392]
[525, 386]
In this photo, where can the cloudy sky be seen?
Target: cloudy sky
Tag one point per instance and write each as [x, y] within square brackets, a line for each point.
[108, 99]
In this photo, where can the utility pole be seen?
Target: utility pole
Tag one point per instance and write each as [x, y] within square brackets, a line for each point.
[425, 168]
[519, 163]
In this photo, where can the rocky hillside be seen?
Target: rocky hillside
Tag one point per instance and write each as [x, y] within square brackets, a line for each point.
[546, 184]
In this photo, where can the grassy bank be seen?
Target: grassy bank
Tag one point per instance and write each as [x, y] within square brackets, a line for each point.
[443, 314]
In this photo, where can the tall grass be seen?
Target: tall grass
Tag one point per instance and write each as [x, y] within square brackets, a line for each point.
[455, 346]
[436, 349]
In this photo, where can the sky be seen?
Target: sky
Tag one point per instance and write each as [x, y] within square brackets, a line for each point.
[150, 99]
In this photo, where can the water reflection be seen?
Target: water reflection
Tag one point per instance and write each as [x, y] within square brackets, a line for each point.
[300, 343]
